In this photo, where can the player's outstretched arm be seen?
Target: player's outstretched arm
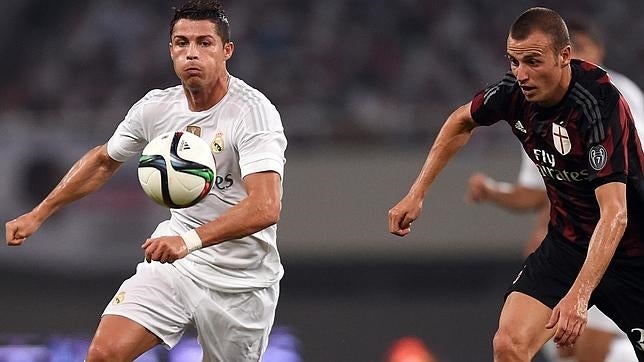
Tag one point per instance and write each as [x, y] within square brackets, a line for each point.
[86, 175]
[259, 210]
[569, 315]
[515, 197]
[454, 134]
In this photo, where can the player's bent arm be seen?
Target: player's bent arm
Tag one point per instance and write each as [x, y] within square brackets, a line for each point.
[88, 174]
[515, 197]
[454, 134]
[259, 210]
[569, 315]
[611, 198]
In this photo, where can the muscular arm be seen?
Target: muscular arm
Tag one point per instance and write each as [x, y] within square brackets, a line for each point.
[608, 232]
[454, 134]
[515, 197]
[86, 175]
[571, 310]
[259, 210]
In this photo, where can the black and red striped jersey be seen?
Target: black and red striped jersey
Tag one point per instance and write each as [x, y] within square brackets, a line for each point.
[586, 140]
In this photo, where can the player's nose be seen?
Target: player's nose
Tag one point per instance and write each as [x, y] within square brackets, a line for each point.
[192, 53]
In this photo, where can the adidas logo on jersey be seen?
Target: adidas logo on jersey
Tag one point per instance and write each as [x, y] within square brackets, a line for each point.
[184, 145]
[520, 127]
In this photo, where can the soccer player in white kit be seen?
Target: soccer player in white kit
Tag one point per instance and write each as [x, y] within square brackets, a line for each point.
[214, 265]
[602, 340]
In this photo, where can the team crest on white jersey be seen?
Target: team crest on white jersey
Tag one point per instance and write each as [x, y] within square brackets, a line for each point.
[561, 139]
[195, 130]
[119, 298]
[217, 144]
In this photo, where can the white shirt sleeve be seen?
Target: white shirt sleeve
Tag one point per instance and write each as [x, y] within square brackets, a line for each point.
[128, 138]
[635, 98]
[260, 140]
[529, 175]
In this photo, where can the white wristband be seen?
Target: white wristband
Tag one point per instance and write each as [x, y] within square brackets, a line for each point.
[192, 240]
[498, 186]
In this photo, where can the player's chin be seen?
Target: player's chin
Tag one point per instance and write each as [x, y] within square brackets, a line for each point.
[192, 82]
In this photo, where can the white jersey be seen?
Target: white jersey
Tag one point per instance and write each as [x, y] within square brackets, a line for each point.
[635, 98]
[529, 175]
[246, 136]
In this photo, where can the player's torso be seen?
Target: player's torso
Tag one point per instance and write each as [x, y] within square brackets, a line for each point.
[563, 142]
[217, 127]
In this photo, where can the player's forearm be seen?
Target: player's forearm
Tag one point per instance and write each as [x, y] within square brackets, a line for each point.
[603, 243]
[248, 217]
[86, 175]
[516, 198]
[454, 134]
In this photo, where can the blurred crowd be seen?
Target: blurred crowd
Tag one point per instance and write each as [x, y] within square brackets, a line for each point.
[356, 71]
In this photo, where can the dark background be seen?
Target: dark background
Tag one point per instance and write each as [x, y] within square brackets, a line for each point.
[362, 87]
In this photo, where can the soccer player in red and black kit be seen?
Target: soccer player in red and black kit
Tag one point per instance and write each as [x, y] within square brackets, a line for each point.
[577, 128]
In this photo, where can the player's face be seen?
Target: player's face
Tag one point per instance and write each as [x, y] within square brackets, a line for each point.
[198, 53]
[539, 69]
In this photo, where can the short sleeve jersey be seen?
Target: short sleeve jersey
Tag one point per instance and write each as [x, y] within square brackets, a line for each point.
[246, 136]
[586, 140]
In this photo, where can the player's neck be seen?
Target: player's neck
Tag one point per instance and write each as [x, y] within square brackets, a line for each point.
[204, 98]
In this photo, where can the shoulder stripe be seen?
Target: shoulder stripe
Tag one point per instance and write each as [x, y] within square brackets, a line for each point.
[509, 80]
[593, 101]
[491, 91]
[591, 110]
[253, 102]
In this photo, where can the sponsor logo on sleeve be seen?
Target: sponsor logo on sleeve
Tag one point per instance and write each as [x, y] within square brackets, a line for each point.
[597, 157]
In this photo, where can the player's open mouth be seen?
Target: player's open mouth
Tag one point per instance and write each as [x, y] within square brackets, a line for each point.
[527, 89]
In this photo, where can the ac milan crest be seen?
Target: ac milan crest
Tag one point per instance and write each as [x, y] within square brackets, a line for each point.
[561, 139]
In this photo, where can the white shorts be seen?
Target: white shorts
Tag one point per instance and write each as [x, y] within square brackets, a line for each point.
[230, 326]
[599, 321]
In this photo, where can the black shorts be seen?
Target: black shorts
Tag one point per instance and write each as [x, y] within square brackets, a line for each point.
[549, 272]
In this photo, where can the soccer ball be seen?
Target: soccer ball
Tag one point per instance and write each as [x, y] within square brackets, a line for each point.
[176, 169]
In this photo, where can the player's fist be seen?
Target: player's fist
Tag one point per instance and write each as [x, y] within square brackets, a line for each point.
[19, 229]
[164, 249]
[403, 214]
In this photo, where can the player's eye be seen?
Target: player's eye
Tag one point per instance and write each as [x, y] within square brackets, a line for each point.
[513, 62]
[205, 43]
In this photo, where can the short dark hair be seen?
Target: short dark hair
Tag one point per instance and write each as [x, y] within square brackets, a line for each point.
[541, 19]
[204, 10]
[582, 26]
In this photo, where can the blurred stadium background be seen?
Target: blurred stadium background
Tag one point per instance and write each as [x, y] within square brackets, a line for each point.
[363, 87]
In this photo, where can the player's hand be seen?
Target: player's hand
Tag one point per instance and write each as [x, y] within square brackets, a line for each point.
[165, 249]
[20, 228]
[478, 188]
[569, 318]
[403, 214]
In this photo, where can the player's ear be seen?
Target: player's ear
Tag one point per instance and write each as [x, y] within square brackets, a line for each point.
[229, 48]
[565, 55]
